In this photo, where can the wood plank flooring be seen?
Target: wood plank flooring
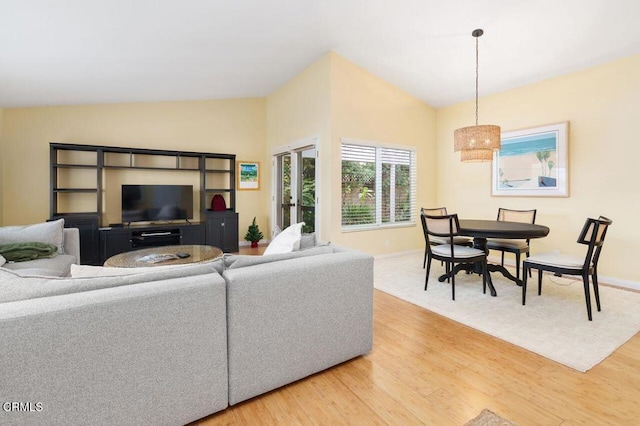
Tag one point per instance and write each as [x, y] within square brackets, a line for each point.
[427, 369]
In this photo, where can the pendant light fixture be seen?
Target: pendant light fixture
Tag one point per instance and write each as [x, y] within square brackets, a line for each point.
[477, 143]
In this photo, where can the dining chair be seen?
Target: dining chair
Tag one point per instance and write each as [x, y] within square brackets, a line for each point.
[433, 240]
[592, 235]
[512, 246]
[447, 227]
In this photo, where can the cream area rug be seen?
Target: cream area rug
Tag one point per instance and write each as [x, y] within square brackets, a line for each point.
[553, 325]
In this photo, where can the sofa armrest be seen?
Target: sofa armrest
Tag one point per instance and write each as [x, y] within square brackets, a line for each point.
[71, 242]
[289, 319]
[148, 353]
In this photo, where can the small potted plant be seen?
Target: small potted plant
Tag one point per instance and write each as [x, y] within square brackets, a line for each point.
[253, 234]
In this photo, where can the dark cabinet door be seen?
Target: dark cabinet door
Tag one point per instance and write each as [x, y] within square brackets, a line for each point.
[113, 242]
[222, 230]
[230, 233]
[192, 234]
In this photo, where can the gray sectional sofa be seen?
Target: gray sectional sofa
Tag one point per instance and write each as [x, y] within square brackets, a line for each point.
[173, 345]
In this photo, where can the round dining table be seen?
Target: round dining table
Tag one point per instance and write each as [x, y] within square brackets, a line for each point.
[480, 230]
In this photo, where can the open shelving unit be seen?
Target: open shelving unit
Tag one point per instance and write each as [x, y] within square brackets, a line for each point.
[77, 176]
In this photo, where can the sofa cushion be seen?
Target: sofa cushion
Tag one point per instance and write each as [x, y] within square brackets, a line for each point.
[286, 241]
[16, 286]
[58, 266]
[47, 232]
[241, 261]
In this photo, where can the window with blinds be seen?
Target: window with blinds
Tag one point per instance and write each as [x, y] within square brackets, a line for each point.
[378, 186]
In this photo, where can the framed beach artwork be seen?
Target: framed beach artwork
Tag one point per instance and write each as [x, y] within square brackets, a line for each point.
[248, 175]
[532, 163]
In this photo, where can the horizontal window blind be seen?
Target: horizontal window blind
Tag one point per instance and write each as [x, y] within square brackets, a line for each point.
[378, 185]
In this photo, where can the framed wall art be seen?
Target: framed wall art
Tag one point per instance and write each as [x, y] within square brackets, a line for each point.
[248, 175]
[532, 163]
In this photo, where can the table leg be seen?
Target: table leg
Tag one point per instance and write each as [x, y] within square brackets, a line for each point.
[476, 268]
[499, 268]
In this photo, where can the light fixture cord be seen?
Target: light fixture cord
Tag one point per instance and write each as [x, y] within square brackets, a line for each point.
[477, 80]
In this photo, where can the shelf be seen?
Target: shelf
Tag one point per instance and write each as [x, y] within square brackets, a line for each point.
[74, 166]
[75, 190]
[152, 168]
[218, 190]
[218, 171]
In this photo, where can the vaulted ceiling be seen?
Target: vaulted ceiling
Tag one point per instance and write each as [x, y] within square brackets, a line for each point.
[102, 51]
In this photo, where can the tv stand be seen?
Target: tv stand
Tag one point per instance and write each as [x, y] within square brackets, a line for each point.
[133, 237]
[77, 177]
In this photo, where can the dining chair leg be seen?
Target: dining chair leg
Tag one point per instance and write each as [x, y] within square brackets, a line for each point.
[539, 282]
[596, 291]
[529, 268]
[502, 259]
[453, 283]
[424, 262]
[524, 283]
[518, 265]
[426, 279]
[587, 296]
[484, 277]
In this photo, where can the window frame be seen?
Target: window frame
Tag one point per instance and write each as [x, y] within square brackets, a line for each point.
[379, 223]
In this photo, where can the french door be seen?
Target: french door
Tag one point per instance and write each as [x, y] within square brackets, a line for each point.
[295, 198]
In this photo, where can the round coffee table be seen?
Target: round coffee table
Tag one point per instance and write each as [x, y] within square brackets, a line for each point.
[164, 255]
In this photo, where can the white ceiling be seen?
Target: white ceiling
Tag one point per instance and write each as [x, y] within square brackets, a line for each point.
[88, 51]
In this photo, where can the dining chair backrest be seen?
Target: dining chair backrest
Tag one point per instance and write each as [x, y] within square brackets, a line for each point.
[442, 226]
[592, 234]
[436, 211]
[522, 216]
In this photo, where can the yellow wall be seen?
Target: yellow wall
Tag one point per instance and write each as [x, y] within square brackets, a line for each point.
[365, 107]
[601, 104]
[227, 126]
[300, 110]
[333, 99]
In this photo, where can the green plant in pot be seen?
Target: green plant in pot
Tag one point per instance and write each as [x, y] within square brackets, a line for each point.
[253, 234]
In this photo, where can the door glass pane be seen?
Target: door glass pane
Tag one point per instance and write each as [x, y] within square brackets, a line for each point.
[307, 185]
[285, 191]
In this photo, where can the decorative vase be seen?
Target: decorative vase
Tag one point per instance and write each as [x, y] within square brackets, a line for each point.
[254, 244]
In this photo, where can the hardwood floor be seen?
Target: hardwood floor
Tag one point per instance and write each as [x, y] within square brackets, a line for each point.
[427, 369]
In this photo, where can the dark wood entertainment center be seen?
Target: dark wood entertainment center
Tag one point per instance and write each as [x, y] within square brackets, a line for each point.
[100, 241]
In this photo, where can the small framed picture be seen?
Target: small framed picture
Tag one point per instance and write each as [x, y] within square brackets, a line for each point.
[248, 175]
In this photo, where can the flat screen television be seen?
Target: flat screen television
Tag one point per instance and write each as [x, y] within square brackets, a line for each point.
[142, 203]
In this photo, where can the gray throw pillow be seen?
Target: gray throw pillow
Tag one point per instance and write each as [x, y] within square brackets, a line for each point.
[307, 241]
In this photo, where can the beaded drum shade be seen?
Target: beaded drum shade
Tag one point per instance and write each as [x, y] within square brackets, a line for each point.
[477, 143]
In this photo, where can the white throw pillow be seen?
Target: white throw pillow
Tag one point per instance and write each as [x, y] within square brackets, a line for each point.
[286, 241]
[2, 260]
[47, 232]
